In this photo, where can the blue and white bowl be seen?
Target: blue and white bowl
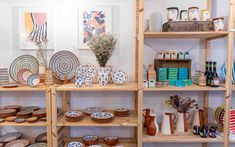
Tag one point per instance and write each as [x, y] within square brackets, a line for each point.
[75, 144]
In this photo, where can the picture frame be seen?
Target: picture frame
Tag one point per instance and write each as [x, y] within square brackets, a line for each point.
[34, 24]
[93, 20]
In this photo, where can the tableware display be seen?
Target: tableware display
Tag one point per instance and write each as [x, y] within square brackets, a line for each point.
[38, 145]
[20, 120]
[10, 85]
[218, 24]
[42, 138]
[18, 143]
[91, 110]
[102, 117]
[119, 77]
[33, 80]
[32, 119]
[86, 71]
[4, 76]
[23, 62]
[16, 107]
[23, 75]
[90, 140]
[75, 144]
[193, 14]
[4, 113]
[111, 141]
[24, 114]
[172, 13]
[155, 22]
[122, 112]
[11, 119]
[64, 64]
[39, 113]
[74, 116]
[10, 137]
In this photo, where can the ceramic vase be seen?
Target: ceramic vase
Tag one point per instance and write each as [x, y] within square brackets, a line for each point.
[167, 124]
[182, 124]
[152, 126]
[103, 76]
[49, 77]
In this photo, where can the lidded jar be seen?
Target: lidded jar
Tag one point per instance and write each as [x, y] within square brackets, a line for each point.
[172, 13]
[218, 24]
[193, 14]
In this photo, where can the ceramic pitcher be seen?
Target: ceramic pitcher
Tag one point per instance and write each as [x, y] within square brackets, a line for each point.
[146, 115]
[181, 124]
[152, 126]
[198, 118]
[167, 124]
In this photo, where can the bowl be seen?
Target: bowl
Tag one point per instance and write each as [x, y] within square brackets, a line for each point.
[111, 141]
[121, 112]
[91, 110]
[90, 140]
[74, 116]
[102, 117]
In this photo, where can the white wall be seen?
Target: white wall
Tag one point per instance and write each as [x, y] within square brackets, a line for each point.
[65, 36]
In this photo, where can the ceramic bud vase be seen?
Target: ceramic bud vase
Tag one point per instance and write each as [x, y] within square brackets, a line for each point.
[49, 77]
[182, 124]
[152, 126]
[103, 76]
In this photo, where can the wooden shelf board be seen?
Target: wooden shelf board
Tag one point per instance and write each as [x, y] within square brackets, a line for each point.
[96, 87]
[36, 124]
[130, 121]
[186, 88]
[125, 142]
[188, 137]
[185, 35]
[24, 88]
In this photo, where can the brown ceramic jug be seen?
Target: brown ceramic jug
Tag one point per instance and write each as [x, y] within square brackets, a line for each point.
[152, 126]
[146, 115]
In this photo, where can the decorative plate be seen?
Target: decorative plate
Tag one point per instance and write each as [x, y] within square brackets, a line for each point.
[119, 77]
[91, 110]
[16, 107]
[102, 115]
[11, 118]
[23, 75]
[31, 108]
[38, 145]
[7, 113]
[20, 120]
[32, 119]
[64, 63]
[18, 143]
[42, 138]
[74, 114]
[23, 62]
[10, 85]
[10, 137]
[33, 80]
[40, 113]
[86, 71]
[75, 144]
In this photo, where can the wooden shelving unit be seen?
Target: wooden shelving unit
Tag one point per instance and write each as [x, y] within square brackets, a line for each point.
[47, 124]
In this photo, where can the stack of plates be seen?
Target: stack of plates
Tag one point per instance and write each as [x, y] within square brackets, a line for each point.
[172, 74]
[162, 74]
[4, 77]
[183, 73]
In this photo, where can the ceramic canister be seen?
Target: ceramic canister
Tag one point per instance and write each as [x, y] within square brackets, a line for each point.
[218, 24]
[183, 15]
[155, 22]
[172, 13]
[193, 14]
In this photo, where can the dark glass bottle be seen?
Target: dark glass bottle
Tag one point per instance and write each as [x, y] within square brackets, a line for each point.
[207, 68]
[208, 77]
[214, 77]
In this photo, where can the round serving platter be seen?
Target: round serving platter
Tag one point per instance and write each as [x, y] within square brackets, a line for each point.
[86, 71]
[64, 64]
[23, 62]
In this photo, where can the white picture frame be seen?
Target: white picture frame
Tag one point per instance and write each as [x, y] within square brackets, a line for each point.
[105, 10]
[24, 42]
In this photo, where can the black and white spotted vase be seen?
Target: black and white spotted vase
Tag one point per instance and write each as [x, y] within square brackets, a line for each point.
[103, 76]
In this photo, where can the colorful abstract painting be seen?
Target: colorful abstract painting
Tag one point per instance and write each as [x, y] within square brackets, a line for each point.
[93, 20]
[34, 28]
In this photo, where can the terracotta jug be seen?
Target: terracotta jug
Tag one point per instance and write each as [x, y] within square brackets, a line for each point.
[146, 115]
[167, 124]
[182, 124]
[198, 118]
[152, 126]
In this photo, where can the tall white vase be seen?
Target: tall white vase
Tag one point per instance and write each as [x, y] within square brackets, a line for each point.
[182, 124]
[103, 76]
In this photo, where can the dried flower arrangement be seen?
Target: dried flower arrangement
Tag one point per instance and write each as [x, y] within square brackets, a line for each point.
[41, 52]
[182, 105]
[102, 46]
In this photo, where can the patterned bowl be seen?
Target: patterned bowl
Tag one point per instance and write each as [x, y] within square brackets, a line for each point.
[91, 110]
[102, 117]
[111, 141]
[90, 140]
[122, 112]
[74, 116]
[75, 144]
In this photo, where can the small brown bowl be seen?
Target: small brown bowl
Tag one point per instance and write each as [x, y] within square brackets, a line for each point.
[122, 112]
[102, 117]
[90, 140]
[74, 116]
[111, 141]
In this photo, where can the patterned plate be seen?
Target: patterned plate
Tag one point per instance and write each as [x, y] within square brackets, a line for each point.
[86, 71]
[33, 80]
[64, 63]
[102, 115]
[23, 76]
[18, 143]
[91, 110]
[42, 138]
[10, 137]
[38, 145]
[23, 62]
[119, 77]
[75, 144]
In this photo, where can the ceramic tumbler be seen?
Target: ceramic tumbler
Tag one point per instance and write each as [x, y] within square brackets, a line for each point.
[155, 22]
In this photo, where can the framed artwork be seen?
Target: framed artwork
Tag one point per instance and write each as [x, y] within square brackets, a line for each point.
[93, 20]
[35, 26]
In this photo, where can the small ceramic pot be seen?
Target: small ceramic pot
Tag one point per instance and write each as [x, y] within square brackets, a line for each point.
[172, 13]
[103, 76]
[193, 14]
[205, 15]
[184, 15]
[49, 77]
[218, 24]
